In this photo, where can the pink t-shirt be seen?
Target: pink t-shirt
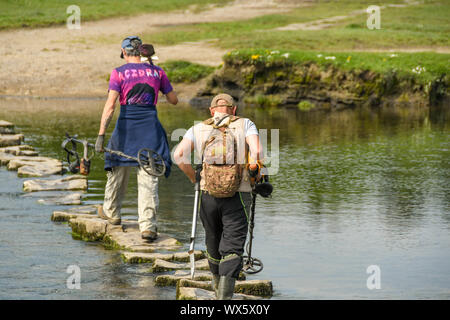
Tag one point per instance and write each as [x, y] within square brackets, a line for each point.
[139, 83]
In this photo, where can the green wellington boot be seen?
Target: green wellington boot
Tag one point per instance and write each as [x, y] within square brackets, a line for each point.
[215, 283]
[226, 288]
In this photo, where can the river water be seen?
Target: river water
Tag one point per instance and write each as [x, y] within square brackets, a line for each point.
[356, 191]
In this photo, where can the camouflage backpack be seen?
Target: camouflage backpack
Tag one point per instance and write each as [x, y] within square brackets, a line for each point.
[221, 173]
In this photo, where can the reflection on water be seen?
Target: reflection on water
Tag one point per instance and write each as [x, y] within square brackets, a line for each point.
[354, 189]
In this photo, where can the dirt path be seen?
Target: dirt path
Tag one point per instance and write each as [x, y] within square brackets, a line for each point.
[57, 61]
[329, 22]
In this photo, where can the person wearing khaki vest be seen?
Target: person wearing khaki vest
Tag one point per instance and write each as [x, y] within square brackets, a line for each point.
[224, 215]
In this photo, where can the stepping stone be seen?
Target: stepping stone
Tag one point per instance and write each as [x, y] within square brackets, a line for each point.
[69, 199]
[75, 182]
[6, 157]
[164, 266]
[129, 239]
[6, 127]
[145, 257]
[90, 229]
[172, 279]
[39, 170]
[184, 256]
[167, 280]
[125, 237]
[142, 257]
[261, 288]
[34, 166]
[21, 150]
[186, 293]
[11, 139]
[20, 161]
[83, 211]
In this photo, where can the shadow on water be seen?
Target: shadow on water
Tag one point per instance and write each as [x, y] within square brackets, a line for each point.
[353, 189]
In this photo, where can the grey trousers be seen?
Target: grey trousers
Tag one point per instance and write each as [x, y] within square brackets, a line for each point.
[148, 201]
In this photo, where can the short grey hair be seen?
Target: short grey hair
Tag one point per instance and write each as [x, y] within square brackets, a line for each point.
[134, 52]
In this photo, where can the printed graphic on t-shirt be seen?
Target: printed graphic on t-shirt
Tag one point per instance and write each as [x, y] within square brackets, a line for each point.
[141, 93]
[139, 83]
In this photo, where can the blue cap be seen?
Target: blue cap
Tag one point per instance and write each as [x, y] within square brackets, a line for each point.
[126, 43]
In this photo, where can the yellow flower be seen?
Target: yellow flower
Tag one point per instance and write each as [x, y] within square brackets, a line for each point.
[349, 58]
[384, 60]
[255, 56]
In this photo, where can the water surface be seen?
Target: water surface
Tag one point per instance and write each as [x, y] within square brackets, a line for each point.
[354, 189]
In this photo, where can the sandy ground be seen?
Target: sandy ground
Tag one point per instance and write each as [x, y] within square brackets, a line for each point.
[59, 62]
[56, 61]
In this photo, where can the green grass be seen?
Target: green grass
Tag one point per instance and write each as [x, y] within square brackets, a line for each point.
[427, 24]
[432, 65]
[184, 71]
[33, 13]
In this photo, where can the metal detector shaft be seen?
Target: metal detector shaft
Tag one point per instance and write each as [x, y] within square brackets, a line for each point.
[251, 225]
[194, 222]
[251, 265]
[119, 153]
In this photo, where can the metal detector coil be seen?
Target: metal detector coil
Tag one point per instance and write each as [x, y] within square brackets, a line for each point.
[150, 161]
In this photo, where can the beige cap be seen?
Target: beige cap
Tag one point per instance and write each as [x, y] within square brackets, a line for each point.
[223, 96]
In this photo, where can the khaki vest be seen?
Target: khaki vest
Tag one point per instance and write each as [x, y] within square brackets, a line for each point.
[202, 132]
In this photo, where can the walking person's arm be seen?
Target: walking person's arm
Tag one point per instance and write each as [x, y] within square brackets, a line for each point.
[107, 115]
[182, 157]
[172, 98]
[256, 154]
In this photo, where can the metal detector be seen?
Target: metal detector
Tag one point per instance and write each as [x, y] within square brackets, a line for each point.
[152, 163]
[251, 264]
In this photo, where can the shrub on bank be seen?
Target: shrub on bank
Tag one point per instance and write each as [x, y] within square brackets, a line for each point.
[184, 71]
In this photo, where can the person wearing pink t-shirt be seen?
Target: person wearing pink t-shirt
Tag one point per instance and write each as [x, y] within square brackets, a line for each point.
[136, 85]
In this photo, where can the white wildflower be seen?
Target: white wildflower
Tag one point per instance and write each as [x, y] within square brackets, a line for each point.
[319, 55]
[286, 55]
[275, 52]
[330, 58]
[419, 69]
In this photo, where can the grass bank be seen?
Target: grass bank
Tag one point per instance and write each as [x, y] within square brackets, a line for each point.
[411, 26]
[329, 80]
[35, 13]
[422, 66]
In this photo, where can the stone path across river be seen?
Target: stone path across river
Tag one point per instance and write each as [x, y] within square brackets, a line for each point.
[169, 263]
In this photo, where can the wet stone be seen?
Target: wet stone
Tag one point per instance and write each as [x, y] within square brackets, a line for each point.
[199, 275]
[145, 257]
[75, 182]
[125, 237]
[35, 166]
[186, 293]
[142, 257]
[83, 211]
[164, 266]
[68, 199]
[11, 139]
[172, 279]
[6, 127]
[21, 150]
[261, 288]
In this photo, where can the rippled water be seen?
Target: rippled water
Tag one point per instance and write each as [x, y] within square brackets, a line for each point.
[354, 189]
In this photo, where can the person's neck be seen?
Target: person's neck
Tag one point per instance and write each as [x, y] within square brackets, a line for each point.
[133, 59]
